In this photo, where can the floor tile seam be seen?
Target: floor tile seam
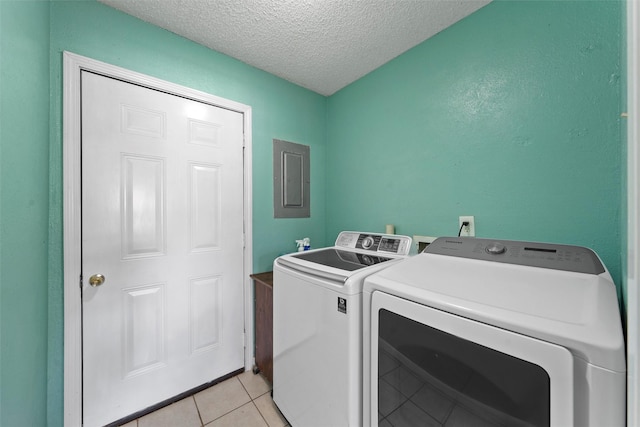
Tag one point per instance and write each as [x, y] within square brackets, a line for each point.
[231, 410]
[390, 384]
[384, 374]
[243, 386]
[421, 380]
[470, 409]
[402, 402]
[261, 415]
[451, 401]
[451, 409]
[420, 409]
[244, 404]
[258, 397]
[193, 396]
[271, 399]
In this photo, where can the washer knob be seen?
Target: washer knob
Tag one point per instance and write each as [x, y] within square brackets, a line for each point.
[367, 242]
[495, 248]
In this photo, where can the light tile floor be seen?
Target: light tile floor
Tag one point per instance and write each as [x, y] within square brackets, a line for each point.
[244, 400]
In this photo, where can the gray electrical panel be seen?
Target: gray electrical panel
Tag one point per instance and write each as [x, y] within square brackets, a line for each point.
[291, 180]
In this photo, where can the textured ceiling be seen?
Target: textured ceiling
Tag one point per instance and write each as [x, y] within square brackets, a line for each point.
[322, 45]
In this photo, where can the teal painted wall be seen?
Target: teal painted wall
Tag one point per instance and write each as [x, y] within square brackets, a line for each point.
[623, 164]
[34, 35]
[511, 115]
[280, 110]
[24, 200]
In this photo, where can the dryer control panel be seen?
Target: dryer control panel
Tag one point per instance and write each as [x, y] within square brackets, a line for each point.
[374, 242]
[576, 259]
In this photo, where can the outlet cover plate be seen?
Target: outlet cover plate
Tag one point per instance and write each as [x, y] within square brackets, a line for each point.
[470, 230]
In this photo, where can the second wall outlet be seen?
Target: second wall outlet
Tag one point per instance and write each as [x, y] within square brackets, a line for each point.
[422, 242]
[468, 230]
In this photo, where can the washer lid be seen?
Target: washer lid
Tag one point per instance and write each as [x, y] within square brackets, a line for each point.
[576, 310]
[354, 253]
[344, 266]
[340, 270]
[343, 260]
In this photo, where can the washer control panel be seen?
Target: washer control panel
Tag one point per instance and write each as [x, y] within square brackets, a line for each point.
[374, 242]
[544, 255]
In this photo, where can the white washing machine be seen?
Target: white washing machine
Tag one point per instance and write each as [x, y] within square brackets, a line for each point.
[317, 327]
[492, 333]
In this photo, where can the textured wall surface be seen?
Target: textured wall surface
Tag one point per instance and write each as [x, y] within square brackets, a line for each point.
[24, 199]
[34, 35]
[511, 115]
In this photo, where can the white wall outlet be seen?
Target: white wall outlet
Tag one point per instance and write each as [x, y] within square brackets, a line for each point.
[469, 230]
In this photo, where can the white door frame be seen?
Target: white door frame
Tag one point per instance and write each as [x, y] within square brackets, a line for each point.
[73, 65]
[633, 213]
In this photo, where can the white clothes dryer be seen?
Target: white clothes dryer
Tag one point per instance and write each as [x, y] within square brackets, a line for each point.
[317, 327]
[492, 333]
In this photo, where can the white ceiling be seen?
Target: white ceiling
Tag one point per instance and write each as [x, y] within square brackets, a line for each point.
[322, 45]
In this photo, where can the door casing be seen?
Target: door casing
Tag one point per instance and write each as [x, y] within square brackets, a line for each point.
[73, 65]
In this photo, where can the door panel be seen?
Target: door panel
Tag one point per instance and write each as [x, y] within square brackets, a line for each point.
[162, 220]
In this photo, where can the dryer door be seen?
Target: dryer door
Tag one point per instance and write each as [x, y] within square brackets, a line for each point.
[428, 365]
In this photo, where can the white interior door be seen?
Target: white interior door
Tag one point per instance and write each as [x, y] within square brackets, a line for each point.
[162, 221]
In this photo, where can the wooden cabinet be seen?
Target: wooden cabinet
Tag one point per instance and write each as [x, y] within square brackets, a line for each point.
[263, 291]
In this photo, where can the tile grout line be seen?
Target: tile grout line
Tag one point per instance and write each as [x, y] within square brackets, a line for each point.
[228, 412]
[242, 384]
[193, 396]
[253, 401]
[260, 412]
[247, 393]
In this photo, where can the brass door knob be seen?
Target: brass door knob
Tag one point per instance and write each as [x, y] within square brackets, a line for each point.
[96, 280]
